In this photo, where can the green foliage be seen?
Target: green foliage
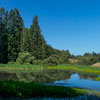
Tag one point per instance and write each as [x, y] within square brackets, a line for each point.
[24, 58]
[20, 39]
[3, 35]
[65, 55]
[28, 90]
[36, 40]
[49, 51]
[86, 60]
[11, 25]
[15, 38]
[24, 40]
[15, 28]
[97, 79]
[37, 62]
[51, 61]
[11, 62]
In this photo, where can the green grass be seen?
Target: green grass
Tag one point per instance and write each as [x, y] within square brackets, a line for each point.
[78, 68]
[82, 69]
[97, 79]
[19, 68]
[18, 65]
[29, 90]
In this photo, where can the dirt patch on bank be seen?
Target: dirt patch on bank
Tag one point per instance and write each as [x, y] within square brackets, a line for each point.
[73, 61]
[96, 65]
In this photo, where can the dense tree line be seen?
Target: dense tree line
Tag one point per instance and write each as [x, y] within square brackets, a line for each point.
[22, 45]
[16, 39]
[11, 26]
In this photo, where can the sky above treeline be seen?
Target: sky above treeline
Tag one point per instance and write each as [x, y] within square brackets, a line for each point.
[65, 24]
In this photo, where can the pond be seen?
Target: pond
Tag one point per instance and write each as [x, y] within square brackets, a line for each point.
[59, 78]
[76, 81]
[55, 77]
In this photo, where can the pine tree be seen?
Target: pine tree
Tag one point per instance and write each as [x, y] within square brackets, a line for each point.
[24, 41]
[43, 48]
[14, 37]
[3, 36]
[37, 42]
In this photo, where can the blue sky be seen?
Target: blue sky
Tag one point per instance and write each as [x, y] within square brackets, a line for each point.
[65, 24]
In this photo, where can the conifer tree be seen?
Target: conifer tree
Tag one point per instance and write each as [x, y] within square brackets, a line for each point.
[3, 35]
[24, 41]
[37, 42]
[14, 37]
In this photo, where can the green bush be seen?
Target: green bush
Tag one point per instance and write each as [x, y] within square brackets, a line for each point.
[37, 62]
[24, 58]
[87, 60]
[51, 61]
[11, 62]
[65, 55]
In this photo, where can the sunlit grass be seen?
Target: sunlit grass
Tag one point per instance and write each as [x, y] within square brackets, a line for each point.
[19, 68]
[78, 68]
[18, 65]
[29, 68]
[97, 79]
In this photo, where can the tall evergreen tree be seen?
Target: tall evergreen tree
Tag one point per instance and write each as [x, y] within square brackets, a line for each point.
[37, 42]
[24, 41]
[14, 37]
[3, 35]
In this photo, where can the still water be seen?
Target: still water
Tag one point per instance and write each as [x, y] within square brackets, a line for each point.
[55, 77]
[77, 82]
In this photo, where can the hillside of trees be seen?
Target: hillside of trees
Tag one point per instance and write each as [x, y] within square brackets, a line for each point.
[21, 45]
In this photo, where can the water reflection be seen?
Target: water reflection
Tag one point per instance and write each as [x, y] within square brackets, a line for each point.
[76, 81]
[54, 77]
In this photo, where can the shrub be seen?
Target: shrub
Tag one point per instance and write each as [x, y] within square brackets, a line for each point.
[87, 60]
[24, 58]
[65, 55]
[51, 61]
[37, 62]
[11, 62]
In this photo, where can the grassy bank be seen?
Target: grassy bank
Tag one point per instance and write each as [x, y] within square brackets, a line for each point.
[78, 68]
[19, 68]
[29, 90]
[19, 65]
[83, 70]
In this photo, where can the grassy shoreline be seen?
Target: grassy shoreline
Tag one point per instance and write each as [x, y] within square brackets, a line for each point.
[29, 90]
[78, 68]
[85, 70]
